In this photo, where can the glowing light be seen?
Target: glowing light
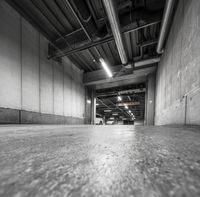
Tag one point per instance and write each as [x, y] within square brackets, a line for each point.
[105, 67]
[107, 110]
[89, 101]
[119, 98]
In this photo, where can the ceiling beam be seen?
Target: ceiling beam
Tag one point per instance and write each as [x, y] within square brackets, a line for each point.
[84, 46]
[143, 68]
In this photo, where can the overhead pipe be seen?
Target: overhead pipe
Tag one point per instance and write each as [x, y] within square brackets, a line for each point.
[82, 46]
[167, 16]
[115, 27]
[145, 62]
[85, 16]
[78, 19]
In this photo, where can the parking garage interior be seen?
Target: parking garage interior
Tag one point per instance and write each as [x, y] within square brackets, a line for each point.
[123, 105]
[99, 98]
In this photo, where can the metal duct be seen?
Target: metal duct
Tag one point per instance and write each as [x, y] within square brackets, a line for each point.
[140, 15]
[80, 7]
[147, 62]
[167, 16]
[115, 26]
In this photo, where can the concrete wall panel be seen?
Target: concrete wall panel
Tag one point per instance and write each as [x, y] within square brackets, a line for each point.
[30, 68]
[67, 96]
[58, 89]
[10, 57]
[179, 70]
[46, 79]
[73, 102]
[193, 109]
[32, 88]
[67, 87]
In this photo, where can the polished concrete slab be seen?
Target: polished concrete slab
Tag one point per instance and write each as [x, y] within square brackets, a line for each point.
[99, 161]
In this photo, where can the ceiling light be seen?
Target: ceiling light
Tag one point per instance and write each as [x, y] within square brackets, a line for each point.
[115, 114]
[105, 67]
[97, 103]
[119, 98]
[129, 111]
[107, 110]
[126, 107]
[89, 101]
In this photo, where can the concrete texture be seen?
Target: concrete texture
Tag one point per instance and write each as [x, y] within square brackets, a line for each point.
[9, 116]
[30, 82]
[178, 81]
[99, 161]
[15, 116]
[10, 66]
[46, 79]
[30, 68]
[150, 100]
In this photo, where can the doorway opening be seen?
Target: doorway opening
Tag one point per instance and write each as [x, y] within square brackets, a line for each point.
[124, 105]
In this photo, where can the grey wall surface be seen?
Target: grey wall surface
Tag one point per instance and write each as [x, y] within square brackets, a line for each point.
[178, 75]
[150, 100]
[31, 83]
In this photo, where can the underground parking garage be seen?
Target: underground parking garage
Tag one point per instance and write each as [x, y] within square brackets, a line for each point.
[99, 98]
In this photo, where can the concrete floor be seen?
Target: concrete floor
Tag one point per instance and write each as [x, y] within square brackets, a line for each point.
[99, 161]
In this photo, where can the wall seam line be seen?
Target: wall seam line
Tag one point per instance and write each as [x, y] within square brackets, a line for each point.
[39, 78]
[53, 84]
[21, 69]
[63, 89]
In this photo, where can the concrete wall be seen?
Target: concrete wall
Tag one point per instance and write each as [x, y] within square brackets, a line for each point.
[178, 75]
[32, 88]
[150, 100]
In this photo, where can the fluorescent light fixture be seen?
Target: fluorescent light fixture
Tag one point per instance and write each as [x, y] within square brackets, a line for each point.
[107, 110]
[105, 67]
[112, 118]
[119, 98]
[89, 101]
[126, 107]
[97, 103]
[115, 114]
[129, 111]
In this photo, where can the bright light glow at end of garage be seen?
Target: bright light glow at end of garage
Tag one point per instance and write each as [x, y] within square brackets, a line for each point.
[105, 67]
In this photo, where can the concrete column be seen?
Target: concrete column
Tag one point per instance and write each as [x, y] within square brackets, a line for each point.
[90, 105]
[93, 106]
[150, 100]
[87, 106]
